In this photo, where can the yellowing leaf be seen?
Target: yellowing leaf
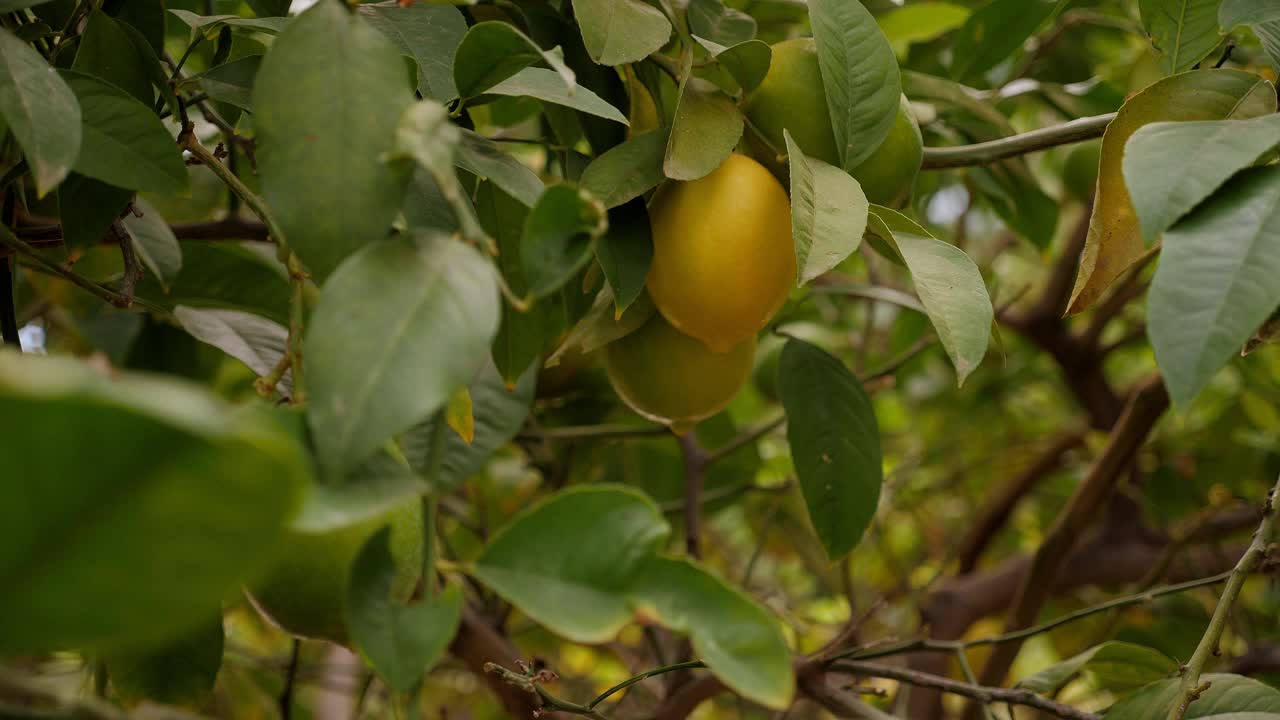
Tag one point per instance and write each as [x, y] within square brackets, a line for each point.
[1114, 242]
[459, 416]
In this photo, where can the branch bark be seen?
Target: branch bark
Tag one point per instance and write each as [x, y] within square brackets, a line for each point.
[986, 153]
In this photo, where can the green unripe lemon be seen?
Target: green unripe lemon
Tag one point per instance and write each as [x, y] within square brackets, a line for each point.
[723, 259]
[305, 592]
[792, 97]
[674, 379]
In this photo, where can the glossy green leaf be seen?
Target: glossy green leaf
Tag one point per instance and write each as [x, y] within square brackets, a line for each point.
[87, 209]
[154, 241]
[499, 413]
[948, 283]
[179, 672]
[123, 142]
[710, 19]
[1184, 31]
[1269, 35]
[748, 61]
[1115, 241]
[257, 342]
[326, 104]
[835, 444]
[210, 24]
[547, 86]
[740, 641]
[559, 236]
[1215, 283]
[602, 324]
[828, 213]
[220, 495]
[232, 82]
[228, 276]
[706, 128]
[920, 22]
[40, 109]
[625, 252]
[1164, 186]
[107, 53]
[402, 642]
[580, 595]
[617, 32]
[860, 76]
[1229, 697]
[425, 206]
[1246, 12]
[995, 31]
[483, 158]
[366, 377]
[148, 18]
[627, 171]
[493, 51]
[1119, 666]
[428, 33]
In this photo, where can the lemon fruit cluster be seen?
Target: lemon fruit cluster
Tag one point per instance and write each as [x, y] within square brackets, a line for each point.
[792, 97]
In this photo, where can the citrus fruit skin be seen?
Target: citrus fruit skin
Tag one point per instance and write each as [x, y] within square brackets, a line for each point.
[792, 97]
[305, 593]
[723, 260]
[671, 378]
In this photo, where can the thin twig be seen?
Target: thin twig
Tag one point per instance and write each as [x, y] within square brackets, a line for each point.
[695, 472]
[21, 248]
[129, 255]
[594, 432]
[936, 158]
[8, 313]
[290, 680]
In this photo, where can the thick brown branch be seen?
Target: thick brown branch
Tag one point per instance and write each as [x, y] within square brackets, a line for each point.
[477, 644]
[45, 236]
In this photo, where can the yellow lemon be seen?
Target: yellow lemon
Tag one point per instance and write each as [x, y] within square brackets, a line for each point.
[792, 97]
[723, 262]
[674, 379]
[305, 593]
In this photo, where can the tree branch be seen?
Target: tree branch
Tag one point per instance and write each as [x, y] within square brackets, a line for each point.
[983, 694]
[985, 153]
[695, 472]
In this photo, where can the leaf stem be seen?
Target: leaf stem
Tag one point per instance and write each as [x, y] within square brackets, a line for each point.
[691, 665]
[1267, 533]
[431, 505]
[191, 144]
[937, 158]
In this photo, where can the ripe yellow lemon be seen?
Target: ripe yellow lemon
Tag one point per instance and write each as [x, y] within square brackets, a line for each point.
[674, 379]
[305, 593]
[792, 97]
[723, 261]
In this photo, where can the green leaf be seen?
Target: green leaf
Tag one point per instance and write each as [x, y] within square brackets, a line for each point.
[1246, 12]
[232, 82]
[257, 342]
[1215, 283]
[617, 32]
[366, 377]
[40, 109]
[402, 642]
[1269, 35]
[123, 142]
[740, 641]
[499, 413]
[710, 19]
[1184, 31]
[602, 324]
[1164, 186]
[748, 62]
[1121, 666]
[179, 672]
[429, 34]
[828, 213]
[948, 283]
[920, 22]
[226, 275]
[1114, 242]
[154, 242]
[87, 208]
[7, 6]
[363, 494]
[625, 252]
[628, 170]
[326, 103]
[1229, 697]
[580, 595]
[483, 158]
[147, 17]
[549, 87]
[493, 51]
[211, 24]
[559, 236]
[706, 127]
[107, 53]
[270, 8]
[835, 444]
[860, 76]
[995, 31]
[220, 495]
